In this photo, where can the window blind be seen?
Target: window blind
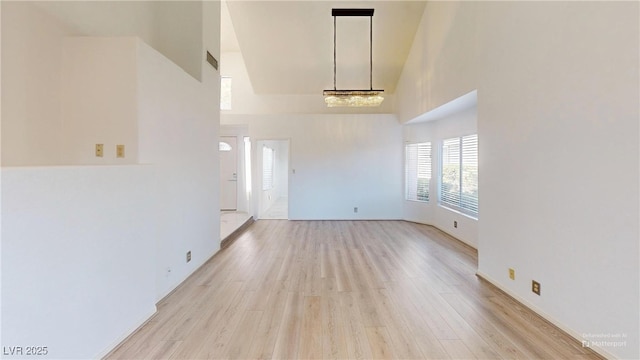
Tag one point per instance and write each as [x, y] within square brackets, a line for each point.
[267, 168]
[459, 174]
[469, 181]
[450, 173]
[417, 171]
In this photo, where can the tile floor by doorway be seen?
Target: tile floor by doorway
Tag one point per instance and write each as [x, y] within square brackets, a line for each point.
[230, 221]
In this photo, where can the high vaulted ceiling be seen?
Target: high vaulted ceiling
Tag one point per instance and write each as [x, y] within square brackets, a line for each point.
[287, 46]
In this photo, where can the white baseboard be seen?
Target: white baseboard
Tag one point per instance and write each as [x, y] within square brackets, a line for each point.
[444, 231]
[574, 334]
[126, 334]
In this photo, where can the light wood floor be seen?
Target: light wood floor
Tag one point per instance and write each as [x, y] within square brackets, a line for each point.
[344, 290]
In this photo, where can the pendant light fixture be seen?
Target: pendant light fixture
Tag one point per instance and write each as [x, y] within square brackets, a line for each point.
[353, 98]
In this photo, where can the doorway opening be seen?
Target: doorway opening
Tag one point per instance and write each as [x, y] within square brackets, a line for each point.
[235, 182]
[228, 173]
[273, 185]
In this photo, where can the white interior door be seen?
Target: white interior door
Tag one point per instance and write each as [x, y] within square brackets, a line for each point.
[228, 172]
[273, 160]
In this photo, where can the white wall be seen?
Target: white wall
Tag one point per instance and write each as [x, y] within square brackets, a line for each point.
[69, 93]
[0, 174]
[32, 72]
[210, 40]
[179, 134]
[581, 102]
[172, 27]
[460, 123]
[558, 134]
[77, 276]
[281, 176]
[442, 62]
[86, 247]
[340, 162]
[99, 103]
[178, 33]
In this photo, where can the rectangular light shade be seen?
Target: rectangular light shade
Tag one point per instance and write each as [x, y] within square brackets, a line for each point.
[353, 98]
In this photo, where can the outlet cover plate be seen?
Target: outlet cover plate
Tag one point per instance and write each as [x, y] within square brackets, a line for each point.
[535, 287]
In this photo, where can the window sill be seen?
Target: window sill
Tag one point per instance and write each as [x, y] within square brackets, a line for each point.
[472, 217]
[418, 201]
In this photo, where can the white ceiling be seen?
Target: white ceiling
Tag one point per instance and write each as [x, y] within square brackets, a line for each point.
[287, 46]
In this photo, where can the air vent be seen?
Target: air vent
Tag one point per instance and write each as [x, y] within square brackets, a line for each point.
[211, 60]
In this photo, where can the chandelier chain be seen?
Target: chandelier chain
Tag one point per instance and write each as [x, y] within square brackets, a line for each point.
[334, 53]
[371, 52]
[353, 98]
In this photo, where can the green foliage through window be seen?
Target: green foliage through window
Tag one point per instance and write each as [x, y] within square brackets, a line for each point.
[459, 174]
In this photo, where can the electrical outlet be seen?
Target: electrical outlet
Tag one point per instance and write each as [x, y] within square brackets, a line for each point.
[120, 151]
[355, 210]
[512, 274]
[535, 287]
[99, 150]
[455, 224]
[188, 255]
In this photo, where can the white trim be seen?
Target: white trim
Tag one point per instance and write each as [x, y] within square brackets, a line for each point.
[574, 334]
[418, 201]
[457, 211]
[140, 323]
[461, 151]
[464, 102]
[422, 222]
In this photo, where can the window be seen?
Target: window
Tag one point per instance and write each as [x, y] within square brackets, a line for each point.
[417, 171]
[223, 146]
[267, 168]
[225, 93]
[459, 174]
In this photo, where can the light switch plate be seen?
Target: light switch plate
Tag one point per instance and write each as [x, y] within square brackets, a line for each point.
[99, 150]
[120, 151]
